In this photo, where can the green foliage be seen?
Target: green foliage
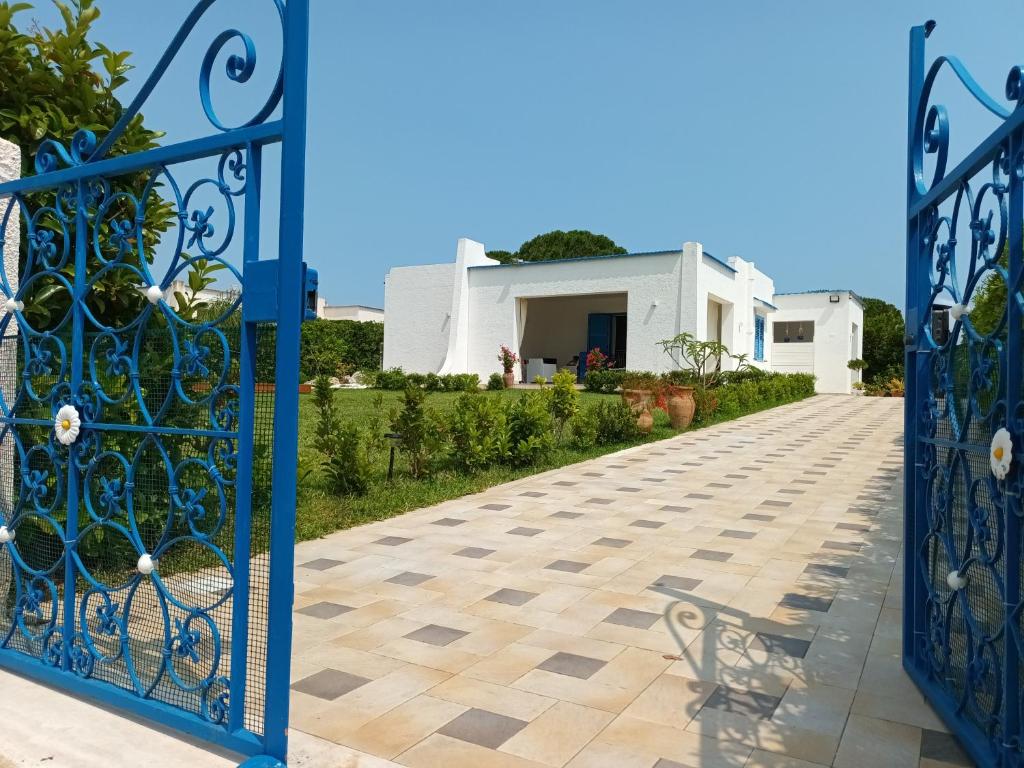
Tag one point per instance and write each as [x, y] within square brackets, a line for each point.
[418, 439]
[705, 404]
[616, 422]
[396, 379]
[563, 399]
[54, 82]
[883, 337]
[345, 464]
[328, 344]
[583, 427]
[495, 382]
[603, 381]
[857, 365]
[747, 396]
[560, 245]
[988, 304]
[201, 276]
[704, 358]
[530, 429]
[478, 432]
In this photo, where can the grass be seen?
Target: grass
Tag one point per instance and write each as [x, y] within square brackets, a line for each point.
[320, 511]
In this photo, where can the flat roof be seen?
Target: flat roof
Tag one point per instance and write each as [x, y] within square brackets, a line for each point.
[577, 258]
[853, 294]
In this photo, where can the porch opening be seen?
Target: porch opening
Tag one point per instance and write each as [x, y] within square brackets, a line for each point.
[558, 331]
[793, 346]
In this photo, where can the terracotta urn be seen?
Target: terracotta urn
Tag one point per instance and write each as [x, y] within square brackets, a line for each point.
[681, 407]
[645, 422]
[510, 379]
[638, 399]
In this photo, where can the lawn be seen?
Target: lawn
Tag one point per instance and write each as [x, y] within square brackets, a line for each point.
[320, 511]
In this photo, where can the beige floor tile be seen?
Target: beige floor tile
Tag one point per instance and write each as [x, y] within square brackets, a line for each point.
[670, 700]
[499, 699]
[684, 747]
[761, 759]
[868, 741]
[557, 734]
[404, 726]
[439, 751]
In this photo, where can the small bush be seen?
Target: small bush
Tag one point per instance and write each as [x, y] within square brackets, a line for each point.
[583, 427]
[603, 381]
[495, 382]
[616, 422]
[478, 432]
[530, 429]
[705, 404]
[433, 383]
[418, 439]
[563, 399]
[391, 379]
[463, 382]
[344, 464]
[417, 380]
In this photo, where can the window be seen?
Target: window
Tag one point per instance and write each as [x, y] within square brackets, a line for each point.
[793, 332]
[759, 337]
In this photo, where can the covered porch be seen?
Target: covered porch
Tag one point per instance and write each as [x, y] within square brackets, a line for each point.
[556, 332]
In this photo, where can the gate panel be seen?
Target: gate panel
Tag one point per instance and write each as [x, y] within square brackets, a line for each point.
[145, 478]
[964, 415]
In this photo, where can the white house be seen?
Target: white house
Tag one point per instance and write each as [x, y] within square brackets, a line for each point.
[819, 332]
[452, 318]
[359, 312]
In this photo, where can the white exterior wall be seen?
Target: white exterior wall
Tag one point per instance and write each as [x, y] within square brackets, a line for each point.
[417, 304]
[833, 346]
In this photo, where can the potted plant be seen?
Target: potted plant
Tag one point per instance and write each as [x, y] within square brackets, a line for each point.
[508, 360]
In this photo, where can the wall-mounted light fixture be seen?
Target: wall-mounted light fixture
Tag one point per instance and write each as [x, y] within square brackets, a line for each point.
[833, 298]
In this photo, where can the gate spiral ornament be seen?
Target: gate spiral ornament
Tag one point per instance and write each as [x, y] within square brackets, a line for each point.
[964, 408]
[142, 480]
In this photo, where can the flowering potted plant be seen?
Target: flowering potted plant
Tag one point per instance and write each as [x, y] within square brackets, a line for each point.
[508, 359]
[598, 360]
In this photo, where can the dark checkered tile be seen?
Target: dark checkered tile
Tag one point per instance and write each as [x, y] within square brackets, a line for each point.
[710, 554]
[800, 602]
[435, 634]
[571, 665]
[514, 597]
[392, 541]
[483, 728]
[324, 610]
[322, 564]
[568, 566]
[753, 704]
[781, 645]
[605, 541]
[410, 579]
[329, 684]
[474, 552]
[627, 617]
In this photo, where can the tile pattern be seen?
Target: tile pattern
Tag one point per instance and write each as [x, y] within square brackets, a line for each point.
[638, 623]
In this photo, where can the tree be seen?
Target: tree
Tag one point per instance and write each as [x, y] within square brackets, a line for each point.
[884, 330]
[560, 245]
[988, 304]
[55, 82]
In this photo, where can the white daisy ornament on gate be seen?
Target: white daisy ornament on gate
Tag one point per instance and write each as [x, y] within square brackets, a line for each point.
[67, 424]
[1000, 454]
[957, 311]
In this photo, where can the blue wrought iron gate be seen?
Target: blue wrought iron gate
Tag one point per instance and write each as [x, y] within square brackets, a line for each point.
[147, 481]
[962, 638]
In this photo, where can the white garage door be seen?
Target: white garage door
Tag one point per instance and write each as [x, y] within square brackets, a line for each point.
[793, 358]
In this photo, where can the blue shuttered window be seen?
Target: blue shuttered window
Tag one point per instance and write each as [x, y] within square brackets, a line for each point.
[759, 337]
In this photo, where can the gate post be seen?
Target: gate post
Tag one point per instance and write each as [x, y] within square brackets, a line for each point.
[10, 169]
[917, 298]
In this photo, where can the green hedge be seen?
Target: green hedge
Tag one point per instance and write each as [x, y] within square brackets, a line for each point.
[396, 379]
[757, 393]
[325, 345]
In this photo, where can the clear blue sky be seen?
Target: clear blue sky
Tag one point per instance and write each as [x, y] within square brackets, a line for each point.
[772, 131]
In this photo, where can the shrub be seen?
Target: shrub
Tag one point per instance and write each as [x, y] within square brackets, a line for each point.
[583, 428]
[616, 422]
[391, 379]
[417, 380]
[344, 464]
[705, 404]
[478, 432]
[495, 382]
[463, 382]
[563, 399]
[681, 377]
[418, 439]
[530, 429]
[604, 381]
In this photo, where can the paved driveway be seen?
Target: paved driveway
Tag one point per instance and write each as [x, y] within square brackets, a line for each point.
[725, 598]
